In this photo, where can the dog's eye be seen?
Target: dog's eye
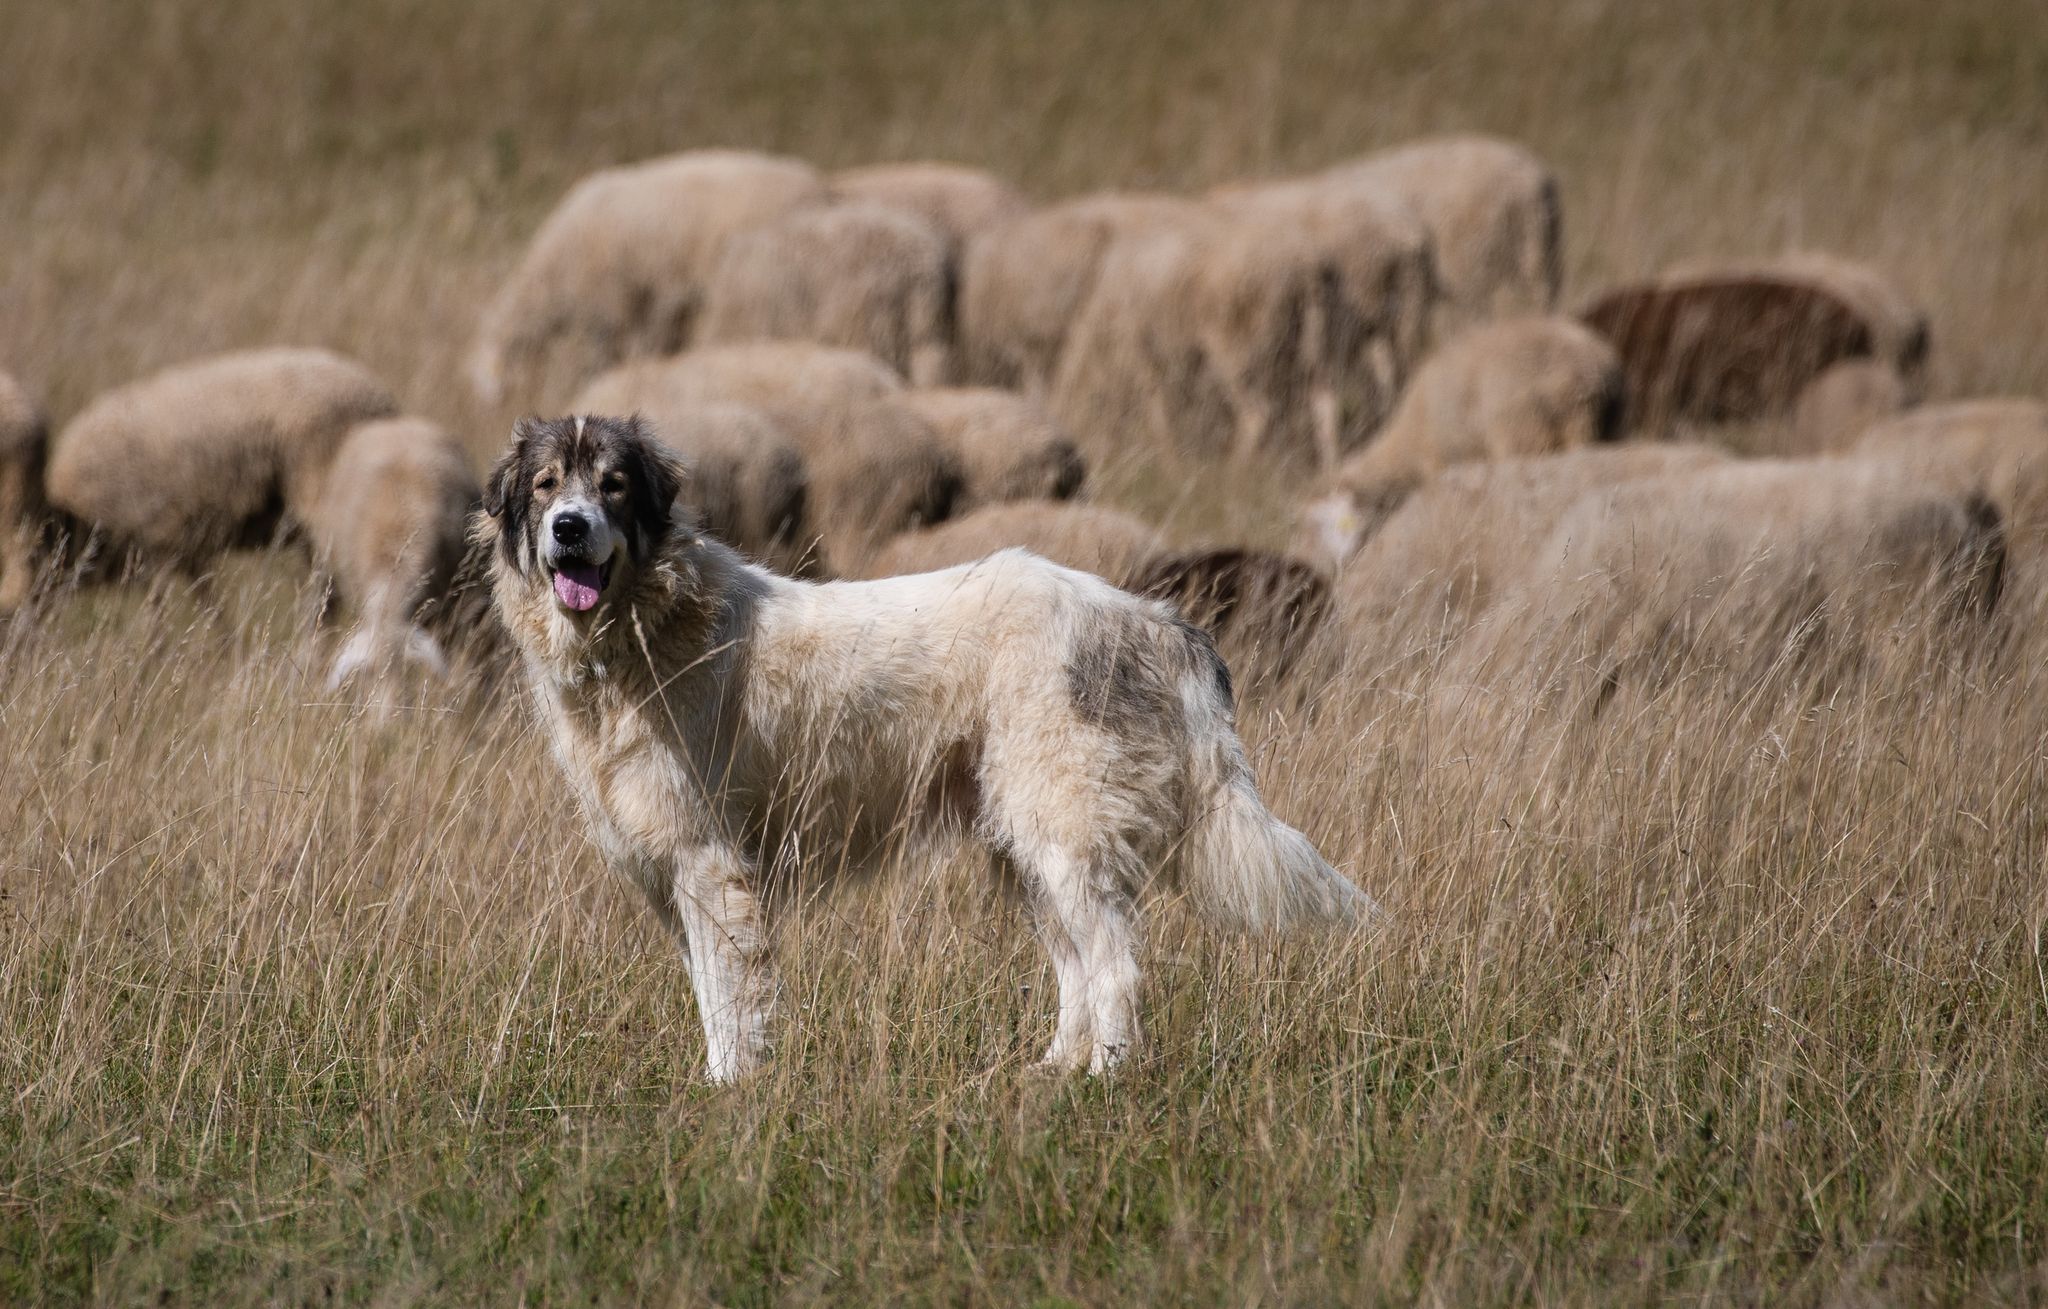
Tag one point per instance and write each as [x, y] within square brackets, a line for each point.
[613, 484]
[545, 482]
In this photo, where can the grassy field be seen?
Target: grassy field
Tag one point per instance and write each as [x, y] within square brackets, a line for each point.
[1730, 997]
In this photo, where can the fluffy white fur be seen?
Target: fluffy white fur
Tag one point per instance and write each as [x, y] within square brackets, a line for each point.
[732, 733]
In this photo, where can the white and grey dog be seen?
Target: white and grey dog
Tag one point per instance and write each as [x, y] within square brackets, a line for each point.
[731, 732]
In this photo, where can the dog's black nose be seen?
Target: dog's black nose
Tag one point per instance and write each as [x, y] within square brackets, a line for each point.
[572, 529]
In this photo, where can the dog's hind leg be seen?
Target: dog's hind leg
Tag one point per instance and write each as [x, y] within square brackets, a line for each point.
[1088, 928]
[730, 972]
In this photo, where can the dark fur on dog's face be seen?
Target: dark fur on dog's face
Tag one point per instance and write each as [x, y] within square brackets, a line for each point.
[584, 501]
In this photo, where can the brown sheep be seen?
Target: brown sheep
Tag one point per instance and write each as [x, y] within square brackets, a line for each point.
[859, 274]
[211, 455]
[1445, 554]
[1386, 282]
[619, 268]
[1898, 328]
[1521, 386]
[958, 201]
[390, 529]
[1010, 448]
[1263, 608]
[1746, 340]
[24, 514]
[1739, 576]
[1024, 281]
[1210, 338]
[1494, 220]
[747, 475]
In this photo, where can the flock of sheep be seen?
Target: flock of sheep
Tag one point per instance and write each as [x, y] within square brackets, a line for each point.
[901, 367]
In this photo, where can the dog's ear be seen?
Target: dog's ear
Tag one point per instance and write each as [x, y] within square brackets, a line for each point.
[658, 474]
[509, 474]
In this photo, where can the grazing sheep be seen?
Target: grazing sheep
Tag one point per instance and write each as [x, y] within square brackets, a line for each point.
[775, 374]
[1443, 556]
[1898, 328]
[619, 268]
[1522, 386]
[1998, 448]
[958, 201]
[1494, 220]
[1024, 281]
[1210, 338]
[1736, 576]
[1010, 448]
[24, 514]
[1715, 344]
[390, 529]
[747, 475]
[877, 469]
[211, 455]
[1845, 401]
[1093, 538]
[1263, 608]
[1386, 282]
[863, 275]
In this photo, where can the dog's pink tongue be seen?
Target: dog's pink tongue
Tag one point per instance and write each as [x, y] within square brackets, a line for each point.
[576, 585]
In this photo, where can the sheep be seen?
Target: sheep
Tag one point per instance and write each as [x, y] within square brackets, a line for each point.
[1024, 281]
[1741, 575]
[24, 514]
[1734, 342]
[1494, 220]
[1846, 400]
[1444, 555]
[389, 528]
[875, 467]
[1898, 328]
[619, 268]
[772, 374]
[1010, 448]
[1997, 447]
[959, 202]
[878, 469]
[1520, 386]
[857, 274]
[210, 455]
[1093, 538]
[1263, 608]
[1209, 338]
[747, 475]
[1387, 289]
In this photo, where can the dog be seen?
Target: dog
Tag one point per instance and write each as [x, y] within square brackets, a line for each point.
[731, 733]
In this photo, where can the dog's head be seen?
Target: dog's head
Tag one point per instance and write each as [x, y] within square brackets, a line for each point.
[584, 502]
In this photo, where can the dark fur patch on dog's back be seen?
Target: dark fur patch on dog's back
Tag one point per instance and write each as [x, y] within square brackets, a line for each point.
[1111, 681]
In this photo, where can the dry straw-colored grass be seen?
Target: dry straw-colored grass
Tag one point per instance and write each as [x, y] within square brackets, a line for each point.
[1738, 994]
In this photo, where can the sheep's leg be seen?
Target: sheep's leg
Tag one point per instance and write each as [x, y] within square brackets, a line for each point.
[722, 924]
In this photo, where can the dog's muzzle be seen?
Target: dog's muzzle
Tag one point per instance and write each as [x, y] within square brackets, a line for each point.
[578, 551]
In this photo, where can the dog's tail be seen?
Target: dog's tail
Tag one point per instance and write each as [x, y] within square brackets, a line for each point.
[1238, 862]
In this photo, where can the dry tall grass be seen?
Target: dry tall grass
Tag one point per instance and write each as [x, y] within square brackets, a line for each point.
[1731, 996]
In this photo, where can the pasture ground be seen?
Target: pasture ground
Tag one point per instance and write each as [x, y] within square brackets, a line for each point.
[1727, 998]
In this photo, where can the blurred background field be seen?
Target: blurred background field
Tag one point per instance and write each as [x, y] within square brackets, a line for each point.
[299, 1004]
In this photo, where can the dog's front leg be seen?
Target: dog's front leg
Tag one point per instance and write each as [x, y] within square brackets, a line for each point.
[728, 958]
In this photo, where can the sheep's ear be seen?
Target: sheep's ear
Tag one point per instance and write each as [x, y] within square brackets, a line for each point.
[510, 471]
